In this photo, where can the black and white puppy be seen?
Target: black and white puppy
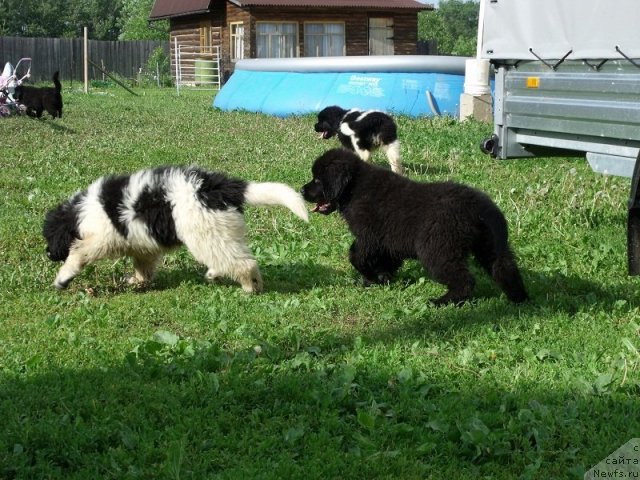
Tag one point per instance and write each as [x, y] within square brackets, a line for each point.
[393, 218]
[362, 132]
[38, 99]
[145, 214]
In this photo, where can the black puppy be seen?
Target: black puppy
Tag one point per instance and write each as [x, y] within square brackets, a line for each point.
[393, 218]
[361, 132]
[38, 99]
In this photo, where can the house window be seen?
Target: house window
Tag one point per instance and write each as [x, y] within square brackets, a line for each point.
[237, 41]
[276, 40]
[205, 39]
[381, 36]
[324, 40]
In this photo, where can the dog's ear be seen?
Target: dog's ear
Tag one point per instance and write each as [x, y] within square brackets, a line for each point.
[60, 231]
[331, 115]
[338, 176]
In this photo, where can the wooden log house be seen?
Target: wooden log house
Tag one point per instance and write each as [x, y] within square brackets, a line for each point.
[237, 29]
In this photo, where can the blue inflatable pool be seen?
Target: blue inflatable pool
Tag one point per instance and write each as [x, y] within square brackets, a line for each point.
[413, 85]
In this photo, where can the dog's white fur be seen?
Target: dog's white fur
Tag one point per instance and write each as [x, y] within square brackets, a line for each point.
[392, 150]
[216, 238]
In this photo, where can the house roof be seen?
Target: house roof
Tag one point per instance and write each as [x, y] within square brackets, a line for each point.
[176, 8]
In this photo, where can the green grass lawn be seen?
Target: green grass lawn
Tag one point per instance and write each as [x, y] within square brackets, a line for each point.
[318, 377]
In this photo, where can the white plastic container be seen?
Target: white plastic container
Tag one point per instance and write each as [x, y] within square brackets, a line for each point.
[476, 76]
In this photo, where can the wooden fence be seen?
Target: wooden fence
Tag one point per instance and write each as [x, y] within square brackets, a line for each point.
[65, 55]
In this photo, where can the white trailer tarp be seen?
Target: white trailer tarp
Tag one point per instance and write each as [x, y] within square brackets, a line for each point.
[589, 29]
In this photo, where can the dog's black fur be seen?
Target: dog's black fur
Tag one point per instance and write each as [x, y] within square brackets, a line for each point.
[393, 218]
[61, 228]
[38, 99]
[374, 129]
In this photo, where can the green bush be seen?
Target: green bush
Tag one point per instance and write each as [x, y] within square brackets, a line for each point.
[157, 71]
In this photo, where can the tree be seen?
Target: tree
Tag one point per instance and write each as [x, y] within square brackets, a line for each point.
[135, 24]
[31, 18]
[454, 25]
[101, 17]
[60, 18]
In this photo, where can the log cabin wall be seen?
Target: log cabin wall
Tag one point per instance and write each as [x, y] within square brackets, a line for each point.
[187, 30]
[233, 14]
[356, 27]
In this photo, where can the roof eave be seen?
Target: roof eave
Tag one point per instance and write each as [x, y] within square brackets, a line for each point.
[176, 15]
[249, 4]
[241, 4]
[410, 9]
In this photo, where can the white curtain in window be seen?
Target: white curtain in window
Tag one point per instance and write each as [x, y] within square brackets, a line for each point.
[276, 40]
[289, 40]
[324, 40]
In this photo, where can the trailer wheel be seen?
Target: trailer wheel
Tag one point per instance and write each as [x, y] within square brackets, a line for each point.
[490, 145]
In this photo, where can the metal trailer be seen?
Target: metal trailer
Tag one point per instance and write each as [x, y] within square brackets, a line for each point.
[567, 80]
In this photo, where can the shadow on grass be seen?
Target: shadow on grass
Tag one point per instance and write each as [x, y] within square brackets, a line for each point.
[568, 292]
[559, 292]
[60, 128]
[281, 278]
[177, 408]
[550, 293]
[173, 412]
[52, 123]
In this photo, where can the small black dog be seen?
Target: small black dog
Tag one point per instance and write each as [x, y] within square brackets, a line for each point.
[393, 218]
[362, 132]
[38, 99]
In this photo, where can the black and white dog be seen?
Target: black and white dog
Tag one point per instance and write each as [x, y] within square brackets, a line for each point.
[362, 132]
[145, 214]
[392, 218]
[38, 99]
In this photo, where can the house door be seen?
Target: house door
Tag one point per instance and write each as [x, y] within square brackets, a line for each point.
[380, 36]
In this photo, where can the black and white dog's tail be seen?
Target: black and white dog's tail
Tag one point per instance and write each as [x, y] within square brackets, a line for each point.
[272, 193]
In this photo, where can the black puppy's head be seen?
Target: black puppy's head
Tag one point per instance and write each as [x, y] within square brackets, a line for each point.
[329, 121]
[18, 93]
[332, 173]
[60, 230]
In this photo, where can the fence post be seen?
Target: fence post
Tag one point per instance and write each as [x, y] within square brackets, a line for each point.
[176, 55]
[86, 60]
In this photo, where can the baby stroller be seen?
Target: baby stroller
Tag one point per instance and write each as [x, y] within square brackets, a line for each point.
[12, 77]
